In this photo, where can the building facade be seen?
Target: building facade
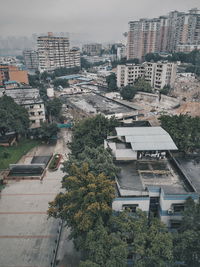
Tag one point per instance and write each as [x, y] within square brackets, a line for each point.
[93, 49]
[163, 34]
[54, 52]
[31, 60]
[13, 73]
[157, 74]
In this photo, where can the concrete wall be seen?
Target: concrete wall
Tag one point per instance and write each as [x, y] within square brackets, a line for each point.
[143, 203]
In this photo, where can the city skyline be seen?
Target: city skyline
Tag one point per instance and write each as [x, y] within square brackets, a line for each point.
[77, 17]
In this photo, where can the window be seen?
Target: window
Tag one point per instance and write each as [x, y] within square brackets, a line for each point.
[178, 207]
[33, 121]
[31, 107]
[130, 207]
[32, 113]
[175, 224]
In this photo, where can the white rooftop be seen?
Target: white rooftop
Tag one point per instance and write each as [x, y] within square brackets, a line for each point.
[147, 138]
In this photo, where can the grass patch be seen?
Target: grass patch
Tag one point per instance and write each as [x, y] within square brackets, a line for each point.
[11, 155]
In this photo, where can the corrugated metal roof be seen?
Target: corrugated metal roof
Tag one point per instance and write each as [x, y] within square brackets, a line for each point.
[147, 138]
[126, 131]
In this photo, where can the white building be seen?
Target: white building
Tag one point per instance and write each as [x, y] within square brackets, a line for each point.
[54, 52]
[147, 180]
[30, 99]
[157, 74]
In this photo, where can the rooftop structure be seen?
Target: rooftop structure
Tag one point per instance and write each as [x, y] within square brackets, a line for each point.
[150, 177]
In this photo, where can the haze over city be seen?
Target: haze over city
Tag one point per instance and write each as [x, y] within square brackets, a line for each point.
[92, 20]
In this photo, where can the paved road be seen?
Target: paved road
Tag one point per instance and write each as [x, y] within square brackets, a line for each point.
[27, 237]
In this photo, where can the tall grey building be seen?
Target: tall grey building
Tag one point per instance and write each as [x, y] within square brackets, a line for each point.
[54, 52]
[31, 59]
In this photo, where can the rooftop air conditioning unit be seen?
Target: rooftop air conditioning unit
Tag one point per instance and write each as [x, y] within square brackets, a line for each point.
[170, 211]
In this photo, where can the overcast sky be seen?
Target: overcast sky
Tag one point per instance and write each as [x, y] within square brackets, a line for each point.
[97, 20]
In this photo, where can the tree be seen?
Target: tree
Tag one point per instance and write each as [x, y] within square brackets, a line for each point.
[112, 82]
[61, 82]
[91, 132]
[87, 199]
[128, 92]
[54, 107]
[142, 85]
[13, 117]
[184, 130]
[149, 242]
[186, 241]
[165, 90]
[46, 131]
[99, 161]
[104, 248]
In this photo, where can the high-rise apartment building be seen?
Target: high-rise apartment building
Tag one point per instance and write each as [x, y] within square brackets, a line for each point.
[54, 52]
[31, 59]
[92, 49]
[163, 34]
[157, 74]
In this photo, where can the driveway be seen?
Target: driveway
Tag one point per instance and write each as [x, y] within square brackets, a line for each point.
[27, 236]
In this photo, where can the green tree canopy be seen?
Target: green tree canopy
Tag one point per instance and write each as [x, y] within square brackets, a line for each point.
[54, 107]
[61, 82]
[13, 117]
[184, 130]
[186, 241]
[104, 248]
[112, 82]
[91, 132]
[46, 132]
[128, 92]
[87, 199]
[99, 161]
[149, 242]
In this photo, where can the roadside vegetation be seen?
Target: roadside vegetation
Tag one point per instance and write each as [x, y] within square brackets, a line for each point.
[11, 155]
[184, 131]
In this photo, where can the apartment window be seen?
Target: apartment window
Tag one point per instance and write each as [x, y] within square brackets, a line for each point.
[130, 207]
[31, 107]
[32, 113]
[33, 121]
[175, 224]
[178, 207]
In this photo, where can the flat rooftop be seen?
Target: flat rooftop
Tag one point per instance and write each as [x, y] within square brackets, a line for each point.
[191, 168]
[93, 103]
[139, 175]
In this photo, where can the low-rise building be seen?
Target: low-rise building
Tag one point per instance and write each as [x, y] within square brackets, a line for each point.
[150, 178]
[13, 73]
[158, 74]
[31, 100]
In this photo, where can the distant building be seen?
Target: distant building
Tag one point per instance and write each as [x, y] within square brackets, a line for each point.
[30, 99]
[54, 52]
[93, 49]
[187, 48]
[164, 34]
[150, 179]
[13, 73]
[157, 74]
[31, 59]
